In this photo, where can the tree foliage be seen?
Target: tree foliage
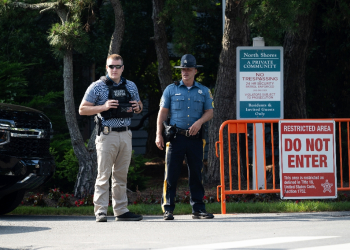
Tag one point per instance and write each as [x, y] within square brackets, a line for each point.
[12, 82]
[328, 67]
[182, 15]
[271, 19]
[66, 37]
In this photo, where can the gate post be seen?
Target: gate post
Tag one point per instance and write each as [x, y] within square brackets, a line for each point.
[258, 157]
[259, 154]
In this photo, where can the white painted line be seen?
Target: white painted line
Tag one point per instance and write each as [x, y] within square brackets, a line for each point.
[250, 243]
[338, 247]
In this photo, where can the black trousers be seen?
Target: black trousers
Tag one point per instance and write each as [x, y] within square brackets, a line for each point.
[176, 150]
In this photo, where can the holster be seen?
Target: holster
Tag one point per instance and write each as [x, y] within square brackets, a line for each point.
[169, 131]
[98, 122]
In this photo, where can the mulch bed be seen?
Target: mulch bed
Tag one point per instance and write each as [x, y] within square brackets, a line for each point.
[154, 170]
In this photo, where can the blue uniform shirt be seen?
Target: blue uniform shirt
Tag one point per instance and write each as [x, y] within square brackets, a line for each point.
[186, 105]
[97, 93]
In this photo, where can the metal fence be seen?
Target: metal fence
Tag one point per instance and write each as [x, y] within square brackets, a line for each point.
[239, 162]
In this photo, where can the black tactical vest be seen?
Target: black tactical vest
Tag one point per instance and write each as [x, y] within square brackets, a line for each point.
[123, 96]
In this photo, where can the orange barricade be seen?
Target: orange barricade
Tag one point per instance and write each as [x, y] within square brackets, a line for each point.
[242, 152]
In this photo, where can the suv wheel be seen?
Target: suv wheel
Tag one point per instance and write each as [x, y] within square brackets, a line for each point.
[11, 201]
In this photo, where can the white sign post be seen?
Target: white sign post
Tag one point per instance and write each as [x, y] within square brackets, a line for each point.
[259, 92]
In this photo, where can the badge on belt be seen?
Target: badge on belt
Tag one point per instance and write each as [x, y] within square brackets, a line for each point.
[106, 130]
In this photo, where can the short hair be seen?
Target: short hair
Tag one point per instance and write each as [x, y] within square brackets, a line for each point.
[115, 57]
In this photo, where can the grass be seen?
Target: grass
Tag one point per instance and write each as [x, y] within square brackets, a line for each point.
[240, 207]
[287, 207]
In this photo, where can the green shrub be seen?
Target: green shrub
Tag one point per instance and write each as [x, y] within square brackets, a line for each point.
[136, 180]
[68, 168]
[67, 165]
[12, 82]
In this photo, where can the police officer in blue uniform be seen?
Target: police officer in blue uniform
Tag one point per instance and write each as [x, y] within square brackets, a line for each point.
[189, 105]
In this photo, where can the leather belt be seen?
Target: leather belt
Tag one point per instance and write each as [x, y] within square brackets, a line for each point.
[186, 133]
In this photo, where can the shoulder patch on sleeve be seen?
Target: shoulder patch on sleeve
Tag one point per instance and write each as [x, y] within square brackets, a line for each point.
[161, 104]
[211, 96]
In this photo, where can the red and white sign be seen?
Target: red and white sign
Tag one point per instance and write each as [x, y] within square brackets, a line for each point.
[307, 159]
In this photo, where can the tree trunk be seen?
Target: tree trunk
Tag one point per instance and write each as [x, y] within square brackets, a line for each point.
[85, 181]
[164, 75]
[119, 26]
[295, 55]
[160, 41]
[87, 165]
[236, 33]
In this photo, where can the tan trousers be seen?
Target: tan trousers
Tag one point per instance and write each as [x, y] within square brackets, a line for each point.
[113, 157]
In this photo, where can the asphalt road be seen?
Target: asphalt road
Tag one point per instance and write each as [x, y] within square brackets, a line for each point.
[313, 231]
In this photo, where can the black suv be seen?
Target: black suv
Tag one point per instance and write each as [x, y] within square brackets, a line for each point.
[25, 160]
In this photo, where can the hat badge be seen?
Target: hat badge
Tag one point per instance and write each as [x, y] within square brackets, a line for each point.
[185, 61]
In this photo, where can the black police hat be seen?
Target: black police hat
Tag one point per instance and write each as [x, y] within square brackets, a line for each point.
[188, 61]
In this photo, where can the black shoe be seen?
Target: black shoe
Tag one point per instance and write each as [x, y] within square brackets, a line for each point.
[129, 216]
[202, 214]
[168, 215]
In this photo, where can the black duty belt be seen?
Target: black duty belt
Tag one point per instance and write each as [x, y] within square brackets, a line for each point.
[120, 129]
[186, 133]
[106, 130]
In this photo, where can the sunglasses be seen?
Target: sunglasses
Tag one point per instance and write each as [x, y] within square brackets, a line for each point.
[115, 66]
